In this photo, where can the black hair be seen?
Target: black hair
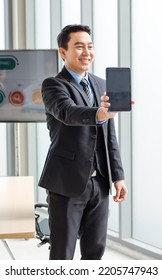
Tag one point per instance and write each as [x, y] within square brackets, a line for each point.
[64, 36]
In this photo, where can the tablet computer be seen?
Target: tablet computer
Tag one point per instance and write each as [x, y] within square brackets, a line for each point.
[118, 88]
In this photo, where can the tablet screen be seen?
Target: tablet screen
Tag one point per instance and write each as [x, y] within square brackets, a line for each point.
[118, 88]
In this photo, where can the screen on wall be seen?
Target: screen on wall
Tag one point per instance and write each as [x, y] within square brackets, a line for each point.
[21, 76]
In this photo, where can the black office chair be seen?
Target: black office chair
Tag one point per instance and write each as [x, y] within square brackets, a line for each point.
[41, 224]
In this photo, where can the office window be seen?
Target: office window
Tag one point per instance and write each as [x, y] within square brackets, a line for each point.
[105, 24]
[42, 24]
[2, 24]
[105, 37]
[147, 121]
[70, 12]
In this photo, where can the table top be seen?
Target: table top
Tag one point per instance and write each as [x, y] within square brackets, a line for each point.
[17, 217]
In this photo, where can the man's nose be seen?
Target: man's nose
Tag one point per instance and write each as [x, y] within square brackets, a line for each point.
[85, 51]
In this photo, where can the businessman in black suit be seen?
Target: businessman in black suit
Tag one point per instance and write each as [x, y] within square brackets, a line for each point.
[83, 159]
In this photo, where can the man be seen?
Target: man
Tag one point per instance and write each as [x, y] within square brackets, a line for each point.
[83, 158]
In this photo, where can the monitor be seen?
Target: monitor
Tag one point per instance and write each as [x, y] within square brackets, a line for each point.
[21, 75]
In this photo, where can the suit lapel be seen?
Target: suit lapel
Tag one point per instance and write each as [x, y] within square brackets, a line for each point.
[72, 81]
[95, 88]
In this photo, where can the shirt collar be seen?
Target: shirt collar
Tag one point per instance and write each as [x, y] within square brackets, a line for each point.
[76, 76]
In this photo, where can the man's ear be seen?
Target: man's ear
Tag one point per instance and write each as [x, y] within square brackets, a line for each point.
[62, 53]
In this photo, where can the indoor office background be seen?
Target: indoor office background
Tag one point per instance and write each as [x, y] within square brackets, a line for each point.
[125, 33]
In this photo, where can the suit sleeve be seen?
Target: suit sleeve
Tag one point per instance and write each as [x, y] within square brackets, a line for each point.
[59, 102]
[117, 171]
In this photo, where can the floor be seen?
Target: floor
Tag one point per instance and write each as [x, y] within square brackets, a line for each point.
[29, 250]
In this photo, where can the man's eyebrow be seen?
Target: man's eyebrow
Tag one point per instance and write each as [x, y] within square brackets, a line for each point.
[81, 43]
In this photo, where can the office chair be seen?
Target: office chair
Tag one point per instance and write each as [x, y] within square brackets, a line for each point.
[41, 223]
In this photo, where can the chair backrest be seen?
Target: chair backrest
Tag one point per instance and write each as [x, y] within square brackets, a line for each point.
[17, 218]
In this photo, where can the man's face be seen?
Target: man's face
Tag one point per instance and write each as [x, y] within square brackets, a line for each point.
[80, 53]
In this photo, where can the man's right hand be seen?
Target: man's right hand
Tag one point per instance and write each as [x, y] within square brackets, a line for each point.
[103, 112]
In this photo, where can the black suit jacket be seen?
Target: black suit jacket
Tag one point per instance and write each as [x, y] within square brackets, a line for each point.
[73, 131]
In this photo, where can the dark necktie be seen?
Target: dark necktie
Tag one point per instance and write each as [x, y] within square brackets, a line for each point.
[85, 86]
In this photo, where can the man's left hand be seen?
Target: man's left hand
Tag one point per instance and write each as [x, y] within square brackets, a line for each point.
[121, 191]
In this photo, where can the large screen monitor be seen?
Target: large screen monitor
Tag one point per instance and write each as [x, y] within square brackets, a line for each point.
[21, 76]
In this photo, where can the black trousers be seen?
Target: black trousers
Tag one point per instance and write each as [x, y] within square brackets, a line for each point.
[86, 216]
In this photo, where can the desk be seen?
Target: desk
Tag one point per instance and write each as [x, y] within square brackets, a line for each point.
[17, 207]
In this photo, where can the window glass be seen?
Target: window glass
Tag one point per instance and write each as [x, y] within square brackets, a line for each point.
[146, 121]
[106, 55]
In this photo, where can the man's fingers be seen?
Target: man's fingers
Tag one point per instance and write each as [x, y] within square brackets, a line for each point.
[105, 104]
[104, 97]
